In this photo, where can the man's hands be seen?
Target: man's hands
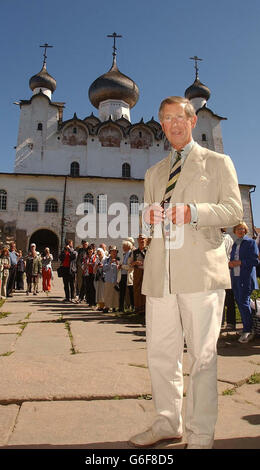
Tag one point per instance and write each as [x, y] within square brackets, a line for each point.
[179, 215]
[155, 214]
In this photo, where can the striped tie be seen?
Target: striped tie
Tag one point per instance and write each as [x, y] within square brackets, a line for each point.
[174, 175]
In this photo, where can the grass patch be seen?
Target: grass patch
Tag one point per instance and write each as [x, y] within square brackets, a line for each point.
[143, 366]
[145, 397]
[22, 327]
[229, 391]
[4, 314]
[72, 349]
[254, 379]
[8, 353]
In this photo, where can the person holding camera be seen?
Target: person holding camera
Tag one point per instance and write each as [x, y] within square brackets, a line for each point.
[68, 259]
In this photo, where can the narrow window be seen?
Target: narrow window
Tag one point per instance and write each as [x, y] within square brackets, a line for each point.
[3, 199]
[102, 204]
[126, 170]
[74, 169]
[134, 205]
[88, 203]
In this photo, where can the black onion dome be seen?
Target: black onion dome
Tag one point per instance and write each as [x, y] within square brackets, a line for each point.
[43, 80]
[197, 90]
[113, 85]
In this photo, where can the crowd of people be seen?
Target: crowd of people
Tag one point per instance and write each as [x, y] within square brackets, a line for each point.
[98, 277]
[93, 275]
[15, 268]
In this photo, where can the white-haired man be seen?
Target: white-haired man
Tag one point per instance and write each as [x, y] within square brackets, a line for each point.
[185, 281]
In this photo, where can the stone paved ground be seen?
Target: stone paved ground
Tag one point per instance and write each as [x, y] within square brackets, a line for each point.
[73, 378]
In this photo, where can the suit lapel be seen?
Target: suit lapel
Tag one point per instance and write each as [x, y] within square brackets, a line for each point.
[193, 166]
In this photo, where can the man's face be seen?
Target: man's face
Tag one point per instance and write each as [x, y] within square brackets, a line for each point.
[240, 231]
[141, 243]
[113, 254]
[176, 125]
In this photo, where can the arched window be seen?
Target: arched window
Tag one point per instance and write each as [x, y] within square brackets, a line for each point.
[39, 127]
[3, 199]
[31, 205]
[102, 204]
[126, 170]
[134, 205]
[204, 138]
[74, 169]
[51, 205]
[88, 203]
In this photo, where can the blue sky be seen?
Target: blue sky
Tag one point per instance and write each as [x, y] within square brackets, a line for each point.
[158, 39]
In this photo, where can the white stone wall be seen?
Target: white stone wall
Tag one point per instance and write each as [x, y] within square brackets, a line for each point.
[33, 145]
[21, 187]
[46, 152]
[210, 126]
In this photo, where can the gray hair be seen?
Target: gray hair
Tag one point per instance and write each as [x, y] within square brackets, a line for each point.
[242, 224]
[128, 243]
[189, 109]
[101, 251]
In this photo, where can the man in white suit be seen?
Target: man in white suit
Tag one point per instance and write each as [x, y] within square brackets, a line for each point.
[185, 281]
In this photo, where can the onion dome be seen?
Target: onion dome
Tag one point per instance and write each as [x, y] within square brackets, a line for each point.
[43, 80]
[113, 85]
[197, 90]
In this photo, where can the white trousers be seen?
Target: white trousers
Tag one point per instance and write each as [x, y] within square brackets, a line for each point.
[169, 319]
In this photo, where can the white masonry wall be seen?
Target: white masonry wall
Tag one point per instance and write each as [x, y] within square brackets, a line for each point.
[44, 152]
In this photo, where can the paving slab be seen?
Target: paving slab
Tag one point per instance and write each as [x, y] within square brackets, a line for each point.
[248, 393]
[235, 369]
[9, 329]
[76, 376]
[7, 343]
[102, 336]
[43, 338]
[8, 415]
[105, 424]
[13, 318]
[237, 425]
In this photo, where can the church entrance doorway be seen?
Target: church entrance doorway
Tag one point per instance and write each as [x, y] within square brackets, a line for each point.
[45, 238]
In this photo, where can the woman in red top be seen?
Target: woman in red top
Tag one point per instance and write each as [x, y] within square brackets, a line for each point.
[88, 288]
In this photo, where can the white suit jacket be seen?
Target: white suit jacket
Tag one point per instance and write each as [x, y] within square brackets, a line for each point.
[208, 179]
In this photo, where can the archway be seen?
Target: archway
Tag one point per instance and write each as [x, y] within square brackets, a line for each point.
[46, 238]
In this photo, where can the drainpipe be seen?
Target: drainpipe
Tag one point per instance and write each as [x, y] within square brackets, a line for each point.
[252, 218]
[63, 213]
